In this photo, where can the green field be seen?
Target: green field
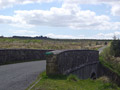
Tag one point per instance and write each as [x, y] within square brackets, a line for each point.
[72, 83]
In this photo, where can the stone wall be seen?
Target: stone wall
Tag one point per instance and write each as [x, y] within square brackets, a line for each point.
[82, 63]
[104, 71]
[21, 55]
[72, 61]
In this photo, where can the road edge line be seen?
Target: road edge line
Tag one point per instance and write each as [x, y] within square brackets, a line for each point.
[34, 84]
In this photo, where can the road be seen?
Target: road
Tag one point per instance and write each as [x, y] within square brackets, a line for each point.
[101, 49]
[20, 76]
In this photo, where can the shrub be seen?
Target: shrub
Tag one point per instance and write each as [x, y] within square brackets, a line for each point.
[115, 48]
[104, 79]
[106, 54]
[97, 43]
[105, 43]
[72, 78]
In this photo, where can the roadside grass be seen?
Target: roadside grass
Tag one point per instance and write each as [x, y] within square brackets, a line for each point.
[71, 82]
[113, 63]
[109, 65]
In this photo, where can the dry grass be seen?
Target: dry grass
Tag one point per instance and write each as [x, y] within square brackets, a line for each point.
[110, 61]
[104, 79]
[49, 44]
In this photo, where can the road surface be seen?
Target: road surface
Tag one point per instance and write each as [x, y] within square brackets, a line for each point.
[20, 76]
[101, 49]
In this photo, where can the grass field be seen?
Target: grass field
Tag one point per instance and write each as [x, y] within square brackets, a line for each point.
[8, 43]
[72, 83]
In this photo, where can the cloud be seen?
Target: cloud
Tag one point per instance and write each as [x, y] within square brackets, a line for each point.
[115, 10]
[97, 36]
[14, 21]
[6, 19]
[10, 3]
[51, 35]
[90, 1]
[69, 15]
[115, 4]
[23, 32]
[108, 35]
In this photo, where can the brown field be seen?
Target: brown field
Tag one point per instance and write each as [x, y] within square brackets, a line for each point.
[8, 43]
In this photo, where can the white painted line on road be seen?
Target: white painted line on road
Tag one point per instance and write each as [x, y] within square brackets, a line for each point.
[34, 84]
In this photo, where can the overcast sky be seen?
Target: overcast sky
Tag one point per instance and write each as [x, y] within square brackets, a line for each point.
[70, 19]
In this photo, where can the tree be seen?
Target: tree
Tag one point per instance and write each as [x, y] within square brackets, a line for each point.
[115, 47]
[97, 43]
[114, 37]
[105, 43]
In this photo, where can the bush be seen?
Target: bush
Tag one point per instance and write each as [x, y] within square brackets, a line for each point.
[107, 58]
[105, 43]
[72, 78]
[104, 79]
[115, 48]
[97, 43]
[106, 54]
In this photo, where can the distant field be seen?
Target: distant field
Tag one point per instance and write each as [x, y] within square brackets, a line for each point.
[50, 43]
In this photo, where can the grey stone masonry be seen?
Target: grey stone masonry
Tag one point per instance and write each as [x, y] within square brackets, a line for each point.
[21, 55]
[69, 61]
[82, 63]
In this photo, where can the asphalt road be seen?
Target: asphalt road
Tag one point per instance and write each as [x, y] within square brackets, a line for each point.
[20, 76]
[101, 49]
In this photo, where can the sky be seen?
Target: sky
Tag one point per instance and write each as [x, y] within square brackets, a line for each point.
[63, 19]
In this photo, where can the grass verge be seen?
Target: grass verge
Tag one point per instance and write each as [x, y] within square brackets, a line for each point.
[70, 82]
[109, 65]
[108, 60]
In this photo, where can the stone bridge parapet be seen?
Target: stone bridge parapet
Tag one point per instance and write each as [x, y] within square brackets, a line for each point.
[82, 63]
[21, 55]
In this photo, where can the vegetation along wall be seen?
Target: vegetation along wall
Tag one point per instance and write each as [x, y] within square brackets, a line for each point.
[82, 63]
[104, 71]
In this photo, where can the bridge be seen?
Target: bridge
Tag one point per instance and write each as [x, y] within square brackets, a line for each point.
[83, 63]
